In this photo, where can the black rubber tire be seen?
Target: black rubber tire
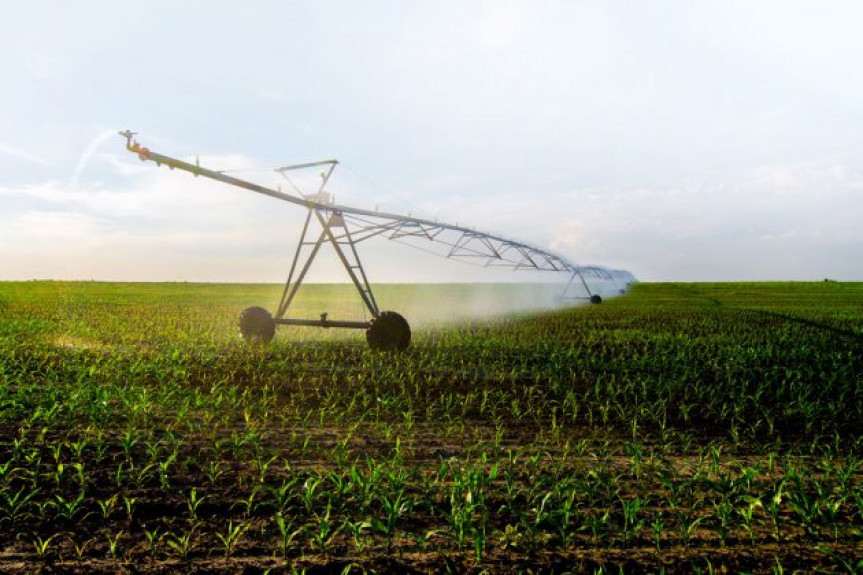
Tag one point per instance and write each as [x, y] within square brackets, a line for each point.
[257, 325]
[595, 298]
[389, 332]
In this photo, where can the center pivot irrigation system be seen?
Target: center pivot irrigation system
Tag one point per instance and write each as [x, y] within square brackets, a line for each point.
[343, 227]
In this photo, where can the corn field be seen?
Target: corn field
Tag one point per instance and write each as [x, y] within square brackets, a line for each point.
[679, 428]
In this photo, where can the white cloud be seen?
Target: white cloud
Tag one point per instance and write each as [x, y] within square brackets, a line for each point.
[21, 154]
[143, 191]
[777, 221]
[55, 229]
[158, 222]
[679, 140]
[43, 66]
[501, 24]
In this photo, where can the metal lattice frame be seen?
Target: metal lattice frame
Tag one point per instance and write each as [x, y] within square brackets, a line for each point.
[343, 227]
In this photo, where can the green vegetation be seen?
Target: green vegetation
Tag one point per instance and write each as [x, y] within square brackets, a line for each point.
[683, 427]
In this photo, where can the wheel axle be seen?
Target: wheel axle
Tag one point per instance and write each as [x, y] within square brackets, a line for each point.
[389, 331]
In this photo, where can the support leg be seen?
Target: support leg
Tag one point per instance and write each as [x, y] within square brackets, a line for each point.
[360, 282]
[592, 297]
[283, 303]
[296, 284]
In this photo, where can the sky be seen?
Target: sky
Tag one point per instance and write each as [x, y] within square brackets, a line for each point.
[682, 141]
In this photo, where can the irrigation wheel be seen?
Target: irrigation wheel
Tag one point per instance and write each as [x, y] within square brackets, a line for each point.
[389, 332]
[257, 325]
[595, 298]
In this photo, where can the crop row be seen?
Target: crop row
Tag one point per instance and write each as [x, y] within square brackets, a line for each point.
[674, 424]
[136, 488]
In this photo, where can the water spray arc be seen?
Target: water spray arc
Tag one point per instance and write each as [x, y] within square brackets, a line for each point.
[344, 227]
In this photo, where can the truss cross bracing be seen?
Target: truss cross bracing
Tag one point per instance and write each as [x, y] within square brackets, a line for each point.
[343, 227]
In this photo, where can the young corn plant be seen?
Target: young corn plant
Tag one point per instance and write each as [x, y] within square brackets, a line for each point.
[687, 523]
[540, 516]
[657, 527]
[181, 544]
[113, 541]
[250, 503]
[563, 518]
[286, 533]
[231, 537]
[15, 504]
[154, 539]
[69, 509]
[308, 493]
[632, 520]
[807, 508]
[193, 501]
[774, 509]
[263, 466]
[747, 514]
[282, 495]
[42, 547]
[459, 518]
[322, 530]
[80, 548]
[164, 470]
[723, 513]
[214, 472]
[394, 507]
[129, 506]
[359, 532]
[108, 505]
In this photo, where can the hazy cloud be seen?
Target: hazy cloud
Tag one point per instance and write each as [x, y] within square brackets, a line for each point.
[709, 140]
[19, 154]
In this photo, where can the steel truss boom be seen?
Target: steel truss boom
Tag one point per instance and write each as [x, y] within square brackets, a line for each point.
[343, 227]
[463, 242]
